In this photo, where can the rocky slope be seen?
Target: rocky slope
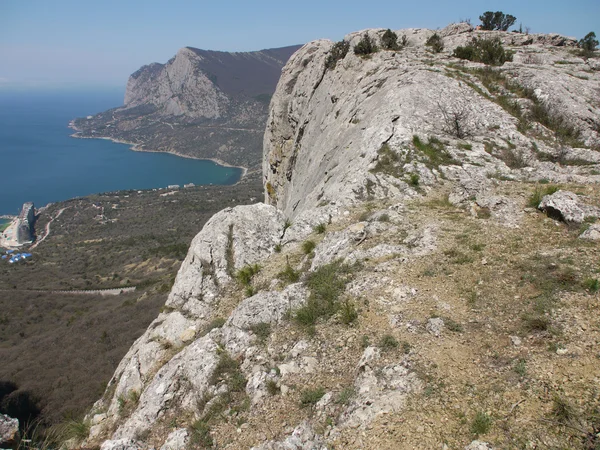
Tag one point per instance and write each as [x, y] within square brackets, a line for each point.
[201, 103]
[399, 288]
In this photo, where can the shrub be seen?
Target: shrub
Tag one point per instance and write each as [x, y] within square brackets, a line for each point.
[481, 423]
[78, 430]
[539, 193]
[365, 46]
[592, 285]
[414, 179]
[338, 52]
[320, 228]
[272, 387]
[308, 247]
[228, 370]
[487, 51]
[289, 274]
[326, 284]
[496, 21]
[389, 40]
[246, 273]
[310, 397]
[348, 313]
[588, 44]
[262, 330]
[345, 396]
[435, 42]
[388, 342]
[562, 410]
[200, 435]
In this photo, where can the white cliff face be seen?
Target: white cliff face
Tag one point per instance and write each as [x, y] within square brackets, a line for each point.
[178, 87]
[348, 154]
[326, 126]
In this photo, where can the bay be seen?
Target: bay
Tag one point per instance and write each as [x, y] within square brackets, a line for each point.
[40, 162]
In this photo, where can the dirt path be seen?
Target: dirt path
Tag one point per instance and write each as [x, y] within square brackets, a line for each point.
[116, 291]
[47, 229]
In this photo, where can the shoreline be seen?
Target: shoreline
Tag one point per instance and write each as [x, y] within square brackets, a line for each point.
[135, 147]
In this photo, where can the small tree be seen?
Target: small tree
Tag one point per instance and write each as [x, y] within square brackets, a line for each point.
[338, 52]
[435, 42]
[365, 46]
[496, 21]
[389, 40]
[589, 43]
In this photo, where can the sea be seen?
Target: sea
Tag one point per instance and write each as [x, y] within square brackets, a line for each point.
[41, 163]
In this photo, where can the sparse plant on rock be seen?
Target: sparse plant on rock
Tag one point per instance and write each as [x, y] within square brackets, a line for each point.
[365, 46]
[310, 397]
[389, 40]
[496, 21]
[588, 44]
[486, 51]
[435, 42]
[338, 52]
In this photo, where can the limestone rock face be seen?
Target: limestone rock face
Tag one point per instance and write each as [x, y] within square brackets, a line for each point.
[9, 430]
[329, 127]
[179, 87]
[364, 164]
[567, 206]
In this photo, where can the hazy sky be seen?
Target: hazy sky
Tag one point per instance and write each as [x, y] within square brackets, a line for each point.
[102, 42]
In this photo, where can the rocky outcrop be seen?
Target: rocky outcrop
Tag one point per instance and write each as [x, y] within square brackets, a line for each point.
[9, 431]
[201, 103]
[566, 206]
[338, 312]
[363, 107]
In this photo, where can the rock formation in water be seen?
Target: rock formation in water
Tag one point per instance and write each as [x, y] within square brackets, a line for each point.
[399, 288]
[201, 103]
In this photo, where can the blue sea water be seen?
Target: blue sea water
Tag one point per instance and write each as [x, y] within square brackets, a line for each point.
[40, 162]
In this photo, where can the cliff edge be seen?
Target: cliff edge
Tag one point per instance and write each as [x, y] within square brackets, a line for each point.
[422, 275]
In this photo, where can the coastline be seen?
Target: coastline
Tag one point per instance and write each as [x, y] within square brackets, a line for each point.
[136, 148]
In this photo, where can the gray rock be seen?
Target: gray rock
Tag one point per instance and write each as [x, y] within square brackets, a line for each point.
[9, 430]
[121, 444]
[479, 445]
[303, 438]
[435, 326]
[176, 440]
[592, 233]
[567, 206]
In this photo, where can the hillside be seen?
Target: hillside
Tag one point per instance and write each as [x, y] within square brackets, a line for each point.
[201, 103]
[424, 272]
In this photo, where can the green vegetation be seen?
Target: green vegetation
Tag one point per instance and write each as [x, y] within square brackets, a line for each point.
[345, 396]
[389, 40]
[588, 44]
[228, 371]
[486, 51]
[326, 285]
[310, 397]
[262, 330]
[387, 162]
[435, 42]
[320, 228]
[435, 152]
[288, 274]
[496, 21]
[388, 342]
[78, 430]
[562, 411]
[348, 312]
[365, 46]
[217, 322]
[200, 435]
[539, 193]
[481, 423]
[414, 179]
[245, 274]
[272, 387]
[338, 52]
[592, 285]
[308, 246]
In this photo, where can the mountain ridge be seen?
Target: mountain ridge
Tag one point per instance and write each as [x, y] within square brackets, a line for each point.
[406, 282]
[201, 104]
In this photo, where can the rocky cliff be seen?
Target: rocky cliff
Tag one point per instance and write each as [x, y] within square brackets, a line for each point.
[401, 287]
[201, 103]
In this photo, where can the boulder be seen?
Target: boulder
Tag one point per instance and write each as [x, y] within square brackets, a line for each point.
[568, 207]
[592, 233]
[9, 430]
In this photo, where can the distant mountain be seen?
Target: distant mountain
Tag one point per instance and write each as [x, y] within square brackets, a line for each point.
[201, 103]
